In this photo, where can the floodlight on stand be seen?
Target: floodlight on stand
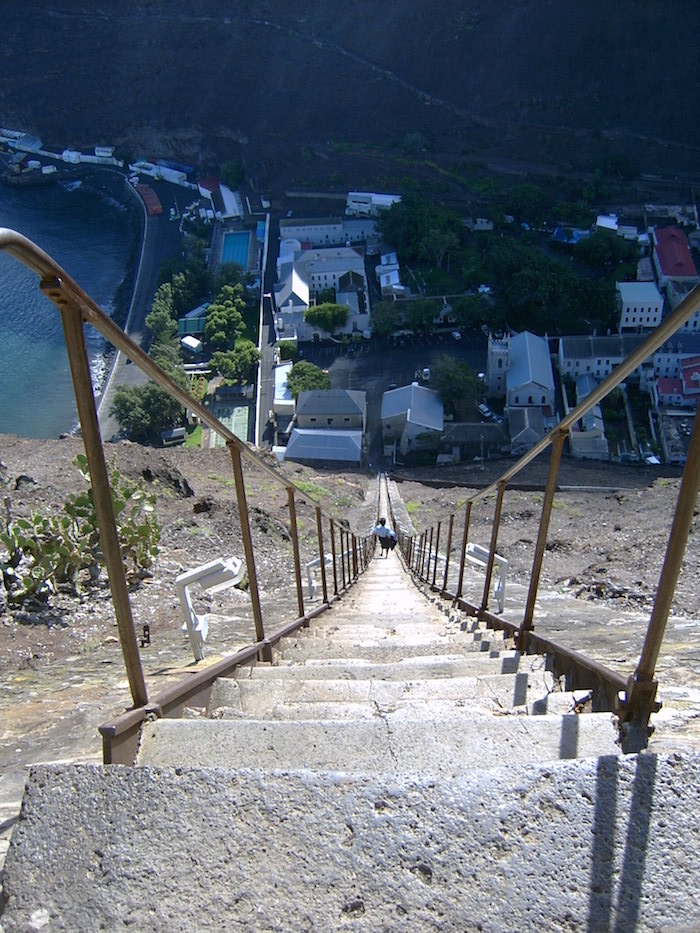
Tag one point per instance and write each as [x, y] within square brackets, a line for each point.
[215, 576]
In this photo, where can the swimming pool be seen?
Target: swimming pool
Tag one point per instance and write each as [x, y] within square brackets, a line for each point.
[235, 247]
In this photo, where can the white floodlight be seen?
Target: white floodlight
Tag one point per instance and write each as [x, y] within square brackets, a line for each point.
[215, 576]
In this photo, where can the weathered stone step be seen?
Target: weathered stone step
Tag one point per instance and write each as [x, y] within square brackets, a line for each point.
[501, 690]
[405, 632]
[377, 651]
[576, 845]
[441, 710]
[416, 667]
[376, 746]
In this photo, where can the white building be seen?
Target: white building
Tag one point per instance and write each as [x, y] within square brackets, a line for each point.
[530, 379]
[329, 231]
[587, 440]
[519, 368]
[369, 203]
[641, 306]
[304, 274]
[412, 418]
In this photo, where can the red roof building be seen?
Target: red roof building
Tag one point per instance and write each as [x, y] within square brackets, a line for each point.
[672, 257]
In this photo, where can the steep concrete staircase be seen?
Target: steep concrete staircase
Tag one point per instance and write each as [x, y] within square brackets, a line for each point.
[396, 767]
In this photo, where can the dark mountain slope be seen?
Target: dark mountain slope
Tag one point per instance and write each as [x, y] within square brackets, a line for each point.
[568, 81]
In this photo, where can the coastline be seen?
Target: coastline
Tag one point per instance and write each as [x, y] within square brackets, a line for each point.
[159, 241]
[92, 232]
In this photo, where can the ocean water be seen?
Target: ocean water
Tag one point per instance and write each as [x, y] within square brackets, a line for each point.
[90, 235]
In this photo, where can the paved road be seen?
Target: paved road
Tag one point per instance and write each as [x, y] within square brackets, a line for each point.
[161, 241]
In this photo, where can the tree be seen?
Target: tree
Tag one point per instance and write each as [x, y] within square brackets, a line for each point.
[604, 251]
[230, 273]
[407, 225]
[326, 295]
[471, 310]
[232, 174]
[305, 376]
[224, 319]
[436, 244]
[420, 314]
[327, 316]
[190, 288]
[237, 365]
[288, 349]
[458, 384]
[527, 202]
[144, 411]
[386, 318]
[160, 321]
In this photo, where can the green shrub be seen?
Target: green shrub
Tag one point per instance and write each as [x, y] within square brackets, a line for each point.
[44, 553]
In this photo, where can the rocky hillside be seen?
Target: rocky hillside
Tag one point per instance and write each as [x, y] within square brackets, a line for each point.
[61, 671]
[298, 90]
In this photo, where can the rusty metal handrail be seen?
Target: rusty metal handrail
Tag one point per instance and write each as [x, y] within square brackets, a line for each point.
[77, 308]
[637, 701]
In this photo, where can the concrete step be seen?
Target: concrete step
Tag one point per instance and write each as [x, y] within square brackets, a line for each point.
[416, 667]
[502, 691]
[409, 633]
[578, 845]
[376, 746]
[440, 710]
[380, 650]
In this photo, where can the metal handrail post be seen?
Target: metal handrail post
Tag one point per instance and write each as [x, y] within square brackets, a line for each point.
[641, 688]
[430, 555]
[342, 556]
[248, 550]
[334, 557]
[295, 548]
[463, 554]
[545, 515]
[354, 556]
[421, 563]
[448, 548]
[101, 490]
[437, 551]
[321, 554]
[494, 542]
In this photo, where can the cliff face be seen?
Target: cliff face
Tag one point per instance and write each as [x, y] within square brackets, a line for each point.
[571, 81]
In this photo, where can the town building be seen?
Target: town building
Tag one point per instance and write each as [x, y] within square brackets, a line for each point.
[329, 231]
[641, 307]
[369, 203]
[328, 424]
[304, 274]
[587, 439]
[412, 419]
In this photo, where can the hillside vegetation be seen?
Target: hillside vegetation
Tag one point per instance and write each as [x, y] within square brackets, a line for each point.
[359, 92]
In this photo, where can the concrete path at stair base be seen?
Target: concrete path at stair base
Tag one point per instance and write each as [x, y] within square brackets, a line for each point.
[377, 746]
[501, 690]
[584, 845]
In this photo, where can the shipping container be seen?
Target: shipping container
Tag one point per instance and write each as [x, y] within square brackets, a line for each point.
[150, 199]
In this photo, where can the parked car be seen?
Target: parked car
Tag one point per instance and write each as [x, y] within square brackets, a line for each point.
[455, 334]
[484, 410]
[425, 375]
